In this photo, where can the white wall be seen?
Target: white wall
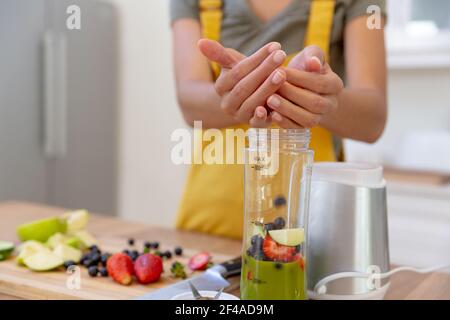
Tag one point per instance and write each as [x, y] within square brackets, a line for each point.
[150, 185]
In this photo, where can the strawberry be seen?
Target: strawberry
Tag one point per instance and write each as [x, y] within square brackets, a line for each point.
[277, 252]
[120, 268]
[199, 261]
[148, 268]
[300, 261]
[249, 275]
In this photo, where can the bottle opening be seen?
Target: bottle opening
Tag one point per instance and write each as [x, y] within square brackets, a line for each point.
[286, 139]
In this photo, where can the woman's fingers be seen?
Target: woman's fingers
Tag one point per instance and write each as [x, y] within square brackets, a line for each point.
[259, 97]
[249, 84]
[289, 110]
[308, 100]
[214, 51]
[322, 83]
[282, 121]
[259, 119]
[230, 78]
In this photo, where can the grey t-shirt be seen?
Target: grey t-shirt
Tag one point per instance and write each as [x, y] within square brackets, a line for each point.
[245, 32]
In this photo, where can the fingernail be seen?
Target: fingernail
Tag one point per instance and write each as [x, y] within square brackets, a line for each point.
[274, 101]
[317, 59]
[274, 47]
[260, 113]
[278, 77]
[276, 116]
[279, 57]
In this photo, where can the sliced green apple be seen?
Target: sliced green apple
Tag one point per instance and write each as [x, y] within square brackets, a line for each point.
[76, 220]
[40, 230]
[288, 237]
[29, 248]
[86, 238]
[75, 243]
[43, 261]
[6, 248]
[66, 253]
[56, 239]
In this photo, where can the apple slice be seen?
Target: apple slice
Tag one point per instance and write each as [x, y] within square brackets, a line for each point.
[40, 230]
[66, 253]
[76, 220]
[85, 238]
[56, 239]
[288, 237]
[29, 248]
[43, 261]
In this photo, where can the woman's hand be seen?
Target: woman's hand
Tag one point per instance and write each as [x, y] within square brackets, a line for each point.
[246, 83]
[310, 92]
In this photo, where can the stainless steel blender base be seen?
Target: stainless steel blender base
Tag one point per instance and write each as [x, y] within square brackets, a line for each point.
[347, 232]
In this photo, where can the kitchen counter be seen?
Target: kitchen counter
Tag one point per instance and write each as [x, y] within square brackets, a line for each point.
[404, 286]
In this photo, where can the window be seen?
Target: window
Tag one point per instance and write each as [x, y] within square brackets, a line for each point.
[418, 33]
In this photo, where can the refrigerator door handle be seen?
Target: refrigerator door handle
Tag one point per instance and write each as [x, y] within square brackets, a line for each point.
[55, 95]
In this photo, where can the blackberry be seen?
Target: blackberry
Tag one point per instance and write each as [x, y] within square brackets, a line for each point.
[103, 272]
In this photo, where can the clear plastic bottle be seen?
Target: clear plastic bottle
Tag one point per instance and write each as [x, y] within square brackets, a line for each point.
[277, 182]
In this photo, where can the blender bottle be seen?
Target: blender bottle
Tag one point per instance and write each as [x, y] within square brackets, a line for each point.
[277, 182]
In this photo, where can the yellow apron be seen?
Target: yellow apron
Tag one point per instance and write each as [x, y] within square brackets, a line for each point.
[213, 201]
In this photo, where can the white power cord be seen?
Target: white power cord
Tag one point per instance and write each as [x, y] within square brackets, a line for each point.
[320, 288]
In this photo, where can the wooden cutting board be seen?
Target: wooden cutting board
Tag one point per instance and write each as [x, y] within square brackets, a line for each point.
[21, 282]
[112, 234]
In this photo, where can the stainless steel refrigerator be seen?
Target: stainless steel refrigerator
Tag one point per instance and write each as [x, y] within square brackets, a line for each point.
[59, 103]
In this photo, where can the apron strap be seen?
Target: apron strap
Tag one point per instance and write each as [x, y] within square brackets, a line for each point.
[318, 33]
[211, 21]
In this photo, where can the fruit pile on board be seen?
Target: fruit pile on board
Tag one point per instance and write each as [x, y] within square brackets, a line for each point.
[56, 242]
[273, 242]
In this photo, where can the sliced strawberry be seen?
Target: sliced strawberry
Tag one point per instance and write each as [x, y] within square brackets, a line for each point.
[301, 262]
[277, 252]
[249, 275]
[199, 261]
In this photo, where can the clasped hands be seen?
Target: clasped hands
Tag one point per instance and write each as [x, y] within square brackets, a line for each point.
[258, 90]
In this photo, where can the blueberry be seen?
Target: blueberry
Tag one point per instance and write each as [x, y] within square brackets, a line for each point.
[269, 226]
[134, 255]
[147, 244]
[127, 252]
[104, 258]
[93, 271]
[95, 257]
[84, 257]
[94, 248]
[155, 245]
[103, 272]
[278, 266]
[131, 242]
[167, 254]
[69, 263]
[251, 252]
[87, 263]
[279, 223]
[254, 239]
[279, 201]
[178, 251]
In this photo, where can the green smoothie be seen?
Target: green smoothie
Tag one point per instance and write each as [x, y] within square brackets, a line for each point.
[269, 280]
